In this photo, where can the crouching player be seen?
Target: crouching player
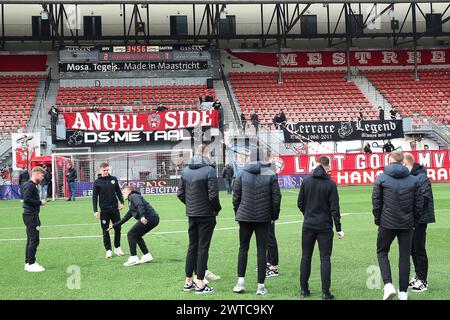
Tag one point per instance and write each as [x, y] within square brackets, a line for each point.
[147, 219]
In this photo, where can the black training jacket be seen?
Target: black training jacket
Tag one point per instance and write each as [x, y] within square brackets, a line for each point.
[396, 199]
[199, 189]
[72, 175]
[256, 194]
[105, 192]
[23, 177]
[318, 200]
[31, 200]
[138, 208]
[427, 215]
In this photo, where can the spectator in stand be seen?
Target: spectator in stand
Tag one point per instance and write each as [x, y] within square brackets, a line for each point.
[277, 121]
[283, 117]
[161, 107]
[393, 113]
[381, 112]
[360, 115]
[388, 147]
[367, 149]
[255, 121]
[54, 112]
[243, 122]
[217, 105]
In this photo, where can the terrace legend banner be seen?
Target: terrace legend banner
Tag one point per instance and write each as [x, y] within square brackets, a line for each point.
[343, 130]
[360, 168]
[139, 122]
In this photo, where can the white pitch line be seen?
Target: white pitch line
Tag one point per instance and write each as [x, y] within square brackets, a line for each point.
[95, 224]
[153, 233]
[175, 220]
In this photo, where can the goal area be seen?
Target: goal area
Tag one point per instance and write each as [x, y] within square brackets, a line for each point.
[150, 172]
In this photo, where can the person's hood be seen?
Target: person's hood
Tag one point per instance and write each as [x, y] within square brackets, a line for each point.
[418, 169]
[134, 191]
[199, 161]
[255, 167]
[396, 170]
[320, 173]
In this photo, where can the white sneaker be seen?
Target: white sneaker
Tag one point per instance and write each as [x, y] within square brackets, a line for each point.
[26, 266]
[132, 261]
[389, 291]
[119, 252]
[261, 291]
[108, 254]
[211, 276]
[146, 258]
[204, 280]
[35, 267]
[402, 295]
[239, 288]
[412, 282]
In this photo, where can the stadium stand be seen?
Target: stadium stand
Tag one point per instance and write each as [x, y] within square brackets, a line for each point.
[17, 100]
[141, 98]
[427, 97]
[303, 96]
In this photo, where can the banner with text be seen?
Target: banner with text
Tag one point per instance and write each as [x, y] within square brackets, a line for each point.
[358, 58]
[156, 121]
[361, 169]
[133, 66]
[166, 186]
[343, 130]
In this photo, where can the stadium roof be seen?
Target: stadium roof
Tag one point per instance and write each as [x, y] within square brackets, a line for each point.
[200, 1]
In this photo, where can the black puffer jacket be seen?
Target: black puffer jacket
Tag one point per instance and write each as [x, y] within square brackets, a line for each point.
[427, 215]
[397, 200]
[256, 194]
[199, 188]
[138, 208]
[318, 199]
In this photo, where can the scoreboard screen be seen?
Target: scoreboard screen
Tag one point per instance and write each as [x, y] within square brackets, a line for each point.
[135, 53]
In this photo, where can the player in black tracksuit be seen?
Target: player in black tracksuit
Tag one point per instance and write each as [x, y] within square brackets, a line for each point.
[31, 207]
[318, 200]
[199, 191]
[106, 191]
[147, 218]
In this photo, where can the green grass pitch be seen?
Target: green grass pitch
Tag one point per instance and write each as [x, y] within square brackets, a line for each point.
[71, 240]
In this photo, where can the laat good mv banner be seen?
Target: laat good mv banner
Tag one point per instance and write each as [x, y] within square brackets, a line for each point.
[139, 122]
[358, 58]
[361, 169]
[343, 130]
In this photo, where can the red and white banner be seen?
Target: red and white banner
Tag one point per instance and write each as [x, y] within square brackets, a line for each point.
[360, 169]
[156, 121]
[25, 146]
[358, 58]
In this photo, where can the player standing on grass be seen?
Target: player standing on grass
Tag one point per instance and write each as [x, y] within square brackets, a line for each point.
[256, 203]
[397, 204]
[31, 207]
[105, 193]
[318, 199]
[147, 218]
[199, 191]
[419, 253]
